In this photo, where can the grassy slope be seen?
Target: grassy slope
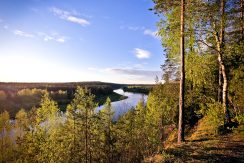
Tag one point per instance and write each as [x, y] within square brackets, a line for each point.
[203, 145]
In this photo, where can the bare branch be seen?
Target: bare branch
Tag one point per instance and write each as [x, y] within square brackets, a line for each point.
[212, 47]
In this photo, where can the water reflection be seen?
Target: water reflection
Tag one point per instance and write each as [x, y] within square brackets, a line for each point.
[121, 107]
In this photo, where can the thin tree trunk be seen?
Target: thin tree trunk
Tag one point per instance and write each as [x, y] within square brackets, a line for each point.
[220, 56]
[220, 85]
[74, 146]
[242, 18]
[182, 81]
[86, 133]
[109, 136]
[161, 137]
[90, 144]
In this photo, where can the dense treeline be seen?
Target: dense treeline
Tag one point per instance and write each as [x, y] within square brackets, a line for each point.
[145, 89]
[14, 96]
[54, 86]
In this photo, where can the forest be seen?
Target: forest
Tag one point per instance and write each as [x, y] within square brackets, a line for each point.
[14, 96]
[138, 88]
[195, 115]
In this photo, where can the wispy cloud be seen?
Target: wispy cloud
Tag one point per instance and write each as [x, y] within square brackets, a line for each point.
[23, 34]
[69, 16]
[53, 37]
[132, 28]
[129, 75]
[134, 72]
[127, 71]
[141, 53]
[151, 33]
[44, 36]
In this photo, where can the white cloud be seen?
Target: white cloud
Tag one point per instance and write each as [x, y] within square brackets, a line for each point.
[68, 16]
[61, 40]
[150, 33]
[77, 20]
[142, 54]
[52, 37]
[44, 36]
[23, 34]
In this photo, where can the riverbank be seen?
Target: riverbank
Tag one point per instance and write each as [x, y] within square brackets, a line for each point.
[101, 99]
[145, 89]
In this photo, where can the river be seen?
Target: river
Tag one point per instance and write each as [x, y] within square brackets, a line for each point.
[121, 107]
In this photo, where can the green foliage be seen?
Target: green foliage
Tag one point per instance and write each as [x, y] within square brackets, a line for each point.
[163, 101]
[106, 130]
[215, 115]
[6, 144]
[48, 109]
[138, 89]
[21, 123]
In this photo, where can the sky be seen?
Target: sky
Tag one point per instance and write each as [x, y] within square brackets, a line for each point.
[79, 40]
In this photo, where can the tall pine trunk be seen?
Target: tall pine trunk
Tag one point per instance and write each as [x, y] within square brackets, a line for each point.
[182, 81]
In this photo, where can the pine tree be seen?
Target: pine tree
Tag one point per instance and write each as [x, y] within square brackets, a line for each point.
[169, 8]
[107, 127]
[5, 137]
[83, 110]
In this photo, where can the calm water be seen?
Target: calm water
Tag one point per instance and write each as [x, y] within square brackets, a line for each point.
[121, 107]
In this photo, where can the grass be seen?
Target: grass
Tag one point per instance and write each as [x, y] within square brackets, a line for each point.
[203, 145]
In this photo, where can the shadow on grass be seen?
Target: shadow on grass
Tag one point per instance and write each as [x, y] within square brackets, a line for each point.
[200, 140]
[224, 151]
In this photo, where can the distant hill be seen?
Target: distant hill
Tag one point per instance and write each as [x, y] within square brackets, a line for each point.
[55, 86]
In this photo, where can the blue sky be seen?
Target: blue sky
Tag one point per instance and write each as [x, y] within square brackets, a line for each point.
[79, 40]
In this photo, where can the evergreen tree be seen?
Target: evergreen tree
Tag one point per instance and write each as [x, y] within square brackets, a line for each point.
[5, 137]
[107, 134]
[83, 107]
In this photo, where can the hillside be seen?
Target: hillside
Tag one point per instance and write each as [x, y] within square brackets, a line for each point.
[203, 145]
